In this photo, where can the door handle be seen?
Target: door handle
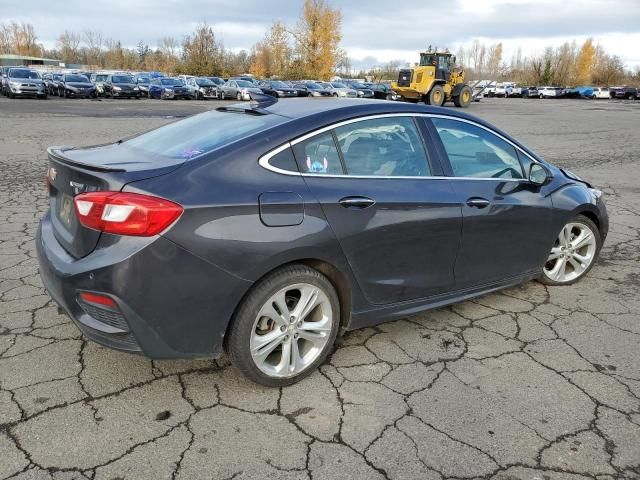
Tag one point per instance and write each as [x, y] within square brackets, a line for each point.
[356, 202]
[478, 202]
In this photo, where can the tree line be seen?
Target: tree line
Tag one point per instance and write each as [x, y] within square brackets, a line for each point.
[311, 49]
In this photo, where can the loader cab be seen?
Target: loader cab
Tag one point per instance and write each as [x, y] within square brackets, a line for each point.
[442, 63]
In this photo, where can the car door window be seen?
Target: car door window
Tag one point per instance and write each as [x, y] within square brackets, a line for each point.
[318, 155]
[476, 152]
[388, 147]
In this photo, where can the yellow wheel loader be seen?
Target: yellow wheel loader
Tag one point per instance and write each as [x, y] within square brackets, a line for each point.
[435, 80]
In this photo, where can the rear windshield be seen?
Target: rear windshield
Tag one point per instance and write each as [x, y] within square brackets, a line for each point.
[201, 133]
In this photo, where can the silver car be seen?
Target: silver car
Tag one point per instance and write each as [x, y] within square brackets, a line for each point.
[24, 82]
[338, 89]
[238, 89]
[202, 88]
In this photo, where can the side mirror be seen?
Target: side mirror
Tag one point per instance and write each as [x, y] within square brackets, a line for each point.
[538, 175]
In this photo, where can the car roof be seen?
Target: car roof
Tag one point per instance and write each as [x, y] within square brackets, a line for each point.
[308, 107]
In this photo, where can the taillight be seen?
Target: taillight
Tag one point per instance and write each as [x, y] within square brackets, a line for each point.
[125, 213]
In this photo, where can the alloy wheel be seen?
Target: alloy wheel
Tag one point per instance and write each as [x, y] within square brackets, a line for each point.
[291, 330]
[572, 254]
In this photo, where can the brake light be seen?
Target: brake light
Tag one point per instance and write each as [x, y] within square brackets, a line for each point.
[125, 213]
[98, 299]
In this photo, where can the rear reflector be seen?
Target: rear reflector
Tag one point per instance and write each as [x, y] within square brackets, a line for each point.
[98, 299]
[125, 213]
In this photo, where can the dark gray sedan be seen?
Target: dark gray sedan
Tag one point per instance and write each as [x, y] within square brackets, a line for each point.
[267, 229]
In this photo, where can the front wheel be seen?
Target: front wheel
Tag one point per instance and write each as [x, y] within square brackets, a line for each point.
[285, 327]
[463, 99]
[573, 253]
[436, 96]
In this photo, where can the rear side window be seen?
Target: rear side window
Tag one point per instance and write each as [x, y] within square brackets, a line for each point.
[202, 133]
[318, 155]
[387, 147]
[284, 161]
[476, 152]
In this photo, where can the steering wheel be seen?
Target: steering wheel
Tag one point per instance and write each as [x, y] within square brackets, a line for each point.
[514, 173]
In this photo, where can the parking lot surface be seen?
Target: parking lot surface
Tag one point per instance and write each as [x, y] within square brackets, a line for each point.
[533, 382]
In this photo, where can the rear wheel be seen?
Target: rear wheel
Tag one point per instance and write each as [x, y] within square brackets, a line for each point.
[436, 96]
[573, 253]
[463, 99]
[285, 327]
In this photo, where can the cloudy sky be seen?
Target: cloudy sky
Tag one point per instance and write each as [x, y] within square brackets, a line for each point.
[374, 31]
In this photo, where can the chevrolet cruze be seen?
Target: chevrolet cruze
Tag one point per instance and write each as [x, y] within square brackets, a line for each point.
[267, 229]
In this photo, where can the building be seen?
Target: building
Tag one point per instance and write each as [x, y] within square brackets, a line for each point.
[10, 60]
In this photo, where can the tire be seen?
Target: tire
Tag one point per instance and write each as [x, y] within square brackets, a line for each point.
[436, 96]
[273, 368]
[463, 99]
[564, 252]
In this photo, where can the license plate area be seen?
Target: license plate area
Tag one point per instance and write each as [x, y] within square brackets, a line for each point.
[65, 209]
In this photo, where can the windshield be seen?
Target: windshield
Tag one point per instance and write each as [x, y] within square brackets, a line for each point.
[427, 59]
[279, 84]
[244, 83]
[76, 78]
[57, 76]
[312, 86]
[144, 80]
[24, 74]
[101, 78]
[338, 85]
[201, 133]
[170, 81]
[204, 82]
[216, 80]
[122, 79]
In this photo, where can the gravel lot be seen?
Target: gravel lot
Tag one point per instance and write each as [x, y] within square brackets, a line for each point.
[529, 383]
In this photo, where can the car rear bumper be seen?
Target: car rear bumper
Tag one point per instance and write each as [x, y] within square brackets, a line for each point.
[170, 304]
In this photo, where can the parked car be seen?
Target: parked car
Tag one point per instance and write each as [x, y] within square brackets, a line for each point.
[623, 92]
[301, 90]
[248, 225]
[339, 89]
[600, 92]
[361, 89]
[277, 88]
[98, 80]
[316, 90]
[516, 91]
[382, 91]
[168, 88]
[548, 92]
[246, 78]
[121, 85]
[24, 82]
[583, 91]
[238, 89]
[143, 81]
[218, 82]
[4, 79]
[54, 83]
[202, 88]
[502, 90]
[73, 85]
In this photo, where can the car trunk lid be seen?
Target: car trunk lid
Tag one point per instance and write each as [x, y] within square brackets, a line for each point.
[74, 171]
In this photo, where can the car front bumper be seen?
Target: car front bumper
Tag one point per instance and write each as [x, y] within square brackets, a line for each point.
[170, 303]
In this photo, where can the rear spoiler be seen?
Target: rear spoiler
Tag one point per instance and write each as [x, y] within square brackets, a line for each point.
[56, 153]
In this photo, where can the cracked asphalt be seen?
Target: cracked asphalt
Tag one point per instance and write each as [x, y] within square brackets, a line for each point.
[528, 383]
